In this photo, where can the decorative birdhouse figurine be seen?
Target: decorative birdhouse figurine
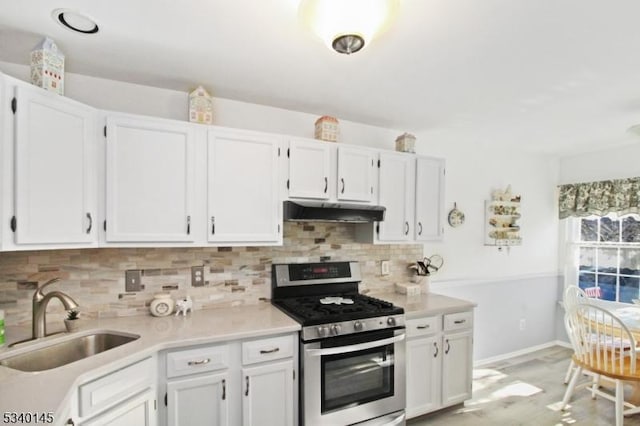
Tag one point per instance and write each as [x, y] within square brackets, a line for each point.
[200, 106]
[47, 66]
[327, 129]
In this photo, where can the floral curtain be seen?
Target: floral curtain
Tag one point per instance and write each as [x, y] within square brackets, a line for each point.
[620, 196]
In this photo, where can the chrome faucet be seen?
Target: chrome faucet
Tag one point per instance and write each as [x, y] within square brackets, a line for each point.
[40, 302]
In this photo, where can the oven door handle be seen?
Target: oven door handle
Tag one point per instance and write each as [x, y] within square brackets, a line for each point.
[355, 348]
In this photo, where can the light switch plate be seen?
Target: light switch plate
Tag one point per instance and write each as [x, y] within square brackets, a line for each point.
[133, 280]
[384, 267]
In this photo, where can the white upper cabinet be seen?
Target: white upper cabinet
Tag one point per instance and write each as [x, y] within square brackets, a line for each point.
[429, 220]
[54, 170]
[149, 180]
[397, 190]
[243, 198]
[310, 174]
[355, 174]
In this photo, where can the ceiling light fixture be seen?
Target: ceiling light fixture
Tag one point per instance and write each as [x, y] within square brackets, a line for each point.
[75, 21]
[347, 26]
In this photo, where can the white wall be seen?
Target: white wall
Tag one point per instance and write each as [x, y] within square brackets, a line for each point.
[474, 169]
[615, 163]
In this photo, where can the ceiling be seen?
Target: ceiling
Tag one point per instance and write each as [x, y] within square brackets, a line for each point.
[551, 76]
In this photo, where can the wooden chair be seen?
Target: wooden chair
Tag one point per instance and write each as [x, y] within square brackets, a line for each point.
[573, 296]
[603, 345]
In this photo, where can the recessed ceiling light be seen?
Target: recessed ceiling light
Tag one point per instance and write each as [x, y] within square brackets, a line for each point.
[75, 21]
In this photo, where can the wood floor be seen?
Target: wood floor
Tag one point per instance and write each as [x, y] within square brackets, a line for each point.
[526, 391]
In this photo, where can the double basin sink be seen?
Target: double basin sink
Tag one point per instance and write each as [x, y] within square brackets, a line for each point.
[65, 350]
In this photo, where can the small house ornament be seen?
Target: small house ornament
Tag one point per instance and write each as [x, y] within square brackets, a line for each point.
[200, 106]
[47, 66]
[406, 142]
[327, 129]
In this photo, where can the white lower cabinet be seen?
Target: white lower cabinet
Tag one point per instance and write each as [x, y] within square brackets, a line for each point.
[247, 382]
[124, 397]
[439, 361]
[268, 394]
[198, 400]
[138, 411]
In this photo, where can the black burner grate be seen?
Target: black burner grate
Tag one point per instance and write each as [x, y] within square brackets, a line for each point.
[309, 310]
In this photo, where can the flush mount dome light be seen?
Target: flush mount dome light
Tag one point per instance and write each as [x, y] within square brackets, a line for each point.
[347, 26]
[75, 21]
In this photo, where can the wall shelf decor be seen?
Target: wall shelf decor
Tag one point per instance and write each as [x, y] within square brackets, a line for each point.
[502, 213]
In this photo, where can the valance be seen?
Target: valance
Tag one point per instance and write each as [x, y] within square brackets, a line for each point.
[621, 196]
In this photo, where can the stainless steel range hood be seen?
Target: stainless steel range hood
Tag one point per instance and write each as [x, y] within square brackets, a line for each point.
[310, 211]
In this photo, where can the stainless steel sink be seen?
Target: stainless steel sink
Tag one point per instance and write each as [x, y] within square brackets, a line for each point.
[62, 351]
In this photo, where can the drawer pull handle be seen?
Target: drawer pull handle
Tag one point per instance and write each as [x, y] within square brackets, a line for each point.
[422, 327]
[462, 321]
[200, 362]
[269, 351]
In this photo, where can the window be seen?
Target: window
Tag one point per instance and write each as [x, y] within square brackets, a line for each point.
[607, 254]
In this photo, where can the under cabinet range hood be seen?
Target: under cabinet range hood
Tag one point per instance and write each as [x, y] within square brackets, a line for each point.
[309, 211]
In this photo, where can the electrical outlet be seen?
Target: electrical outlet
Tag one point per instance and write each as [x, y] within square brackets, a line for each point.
[523, 324]
[384, 267]
[197, 276]
[133, 280]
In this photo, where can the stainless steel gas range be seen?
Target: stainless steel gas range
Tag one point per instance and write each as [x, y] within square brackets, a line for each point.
[352, 356]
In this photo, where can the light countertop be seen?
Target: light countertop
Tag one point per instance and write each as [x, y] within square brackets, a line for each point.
[426, 304]
[51, 390]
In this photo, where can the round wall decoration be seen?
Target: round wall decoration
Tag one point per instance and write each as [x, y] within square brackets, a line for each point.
[456, 217]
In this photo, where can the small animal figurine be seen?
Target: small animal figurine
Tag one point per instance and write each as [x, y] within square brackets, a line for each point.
[183, 305]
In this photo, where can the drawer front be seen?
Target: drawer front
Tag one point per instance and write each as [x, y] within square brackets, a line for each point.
[423, 326]
[116, 387]
[267, 349]
[191, 361]
[458, 321]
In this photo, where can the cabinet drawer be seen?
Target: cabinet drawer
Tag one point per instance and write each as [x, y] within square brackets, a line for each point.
[115, 387]
[182, 363]
[423, 326]
[458, 321]
[267, 349]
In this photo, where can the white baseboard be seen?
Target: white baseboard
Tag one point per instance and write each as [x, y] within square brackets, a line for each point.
[525, 351]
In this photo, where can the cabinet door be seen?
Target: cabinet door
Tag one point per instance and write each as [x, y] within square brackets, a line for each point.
[397, 185]
[429, 221]
[55, 187]
[424, 374]
[457, 367]
[198, 401]
[355, 174]
[243, 200]
[139, 411]
[309, 169]
[150, 178]
[268, 395]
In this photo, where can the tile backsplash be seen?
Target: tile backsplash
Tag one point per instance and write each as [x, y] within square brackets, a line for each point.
[233, 275]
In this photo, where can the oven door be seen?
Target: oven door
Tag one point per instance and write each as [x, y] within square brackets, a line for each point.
[354, 378]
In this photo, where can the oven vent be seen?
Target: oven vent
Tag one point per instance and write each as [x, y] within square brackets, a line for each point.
[308, 211]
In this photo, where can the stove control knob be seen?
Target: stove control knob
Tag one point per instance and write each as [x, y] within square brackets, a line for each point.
[323, 331]
[358, 326]
[335, 329]
[391, 322]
